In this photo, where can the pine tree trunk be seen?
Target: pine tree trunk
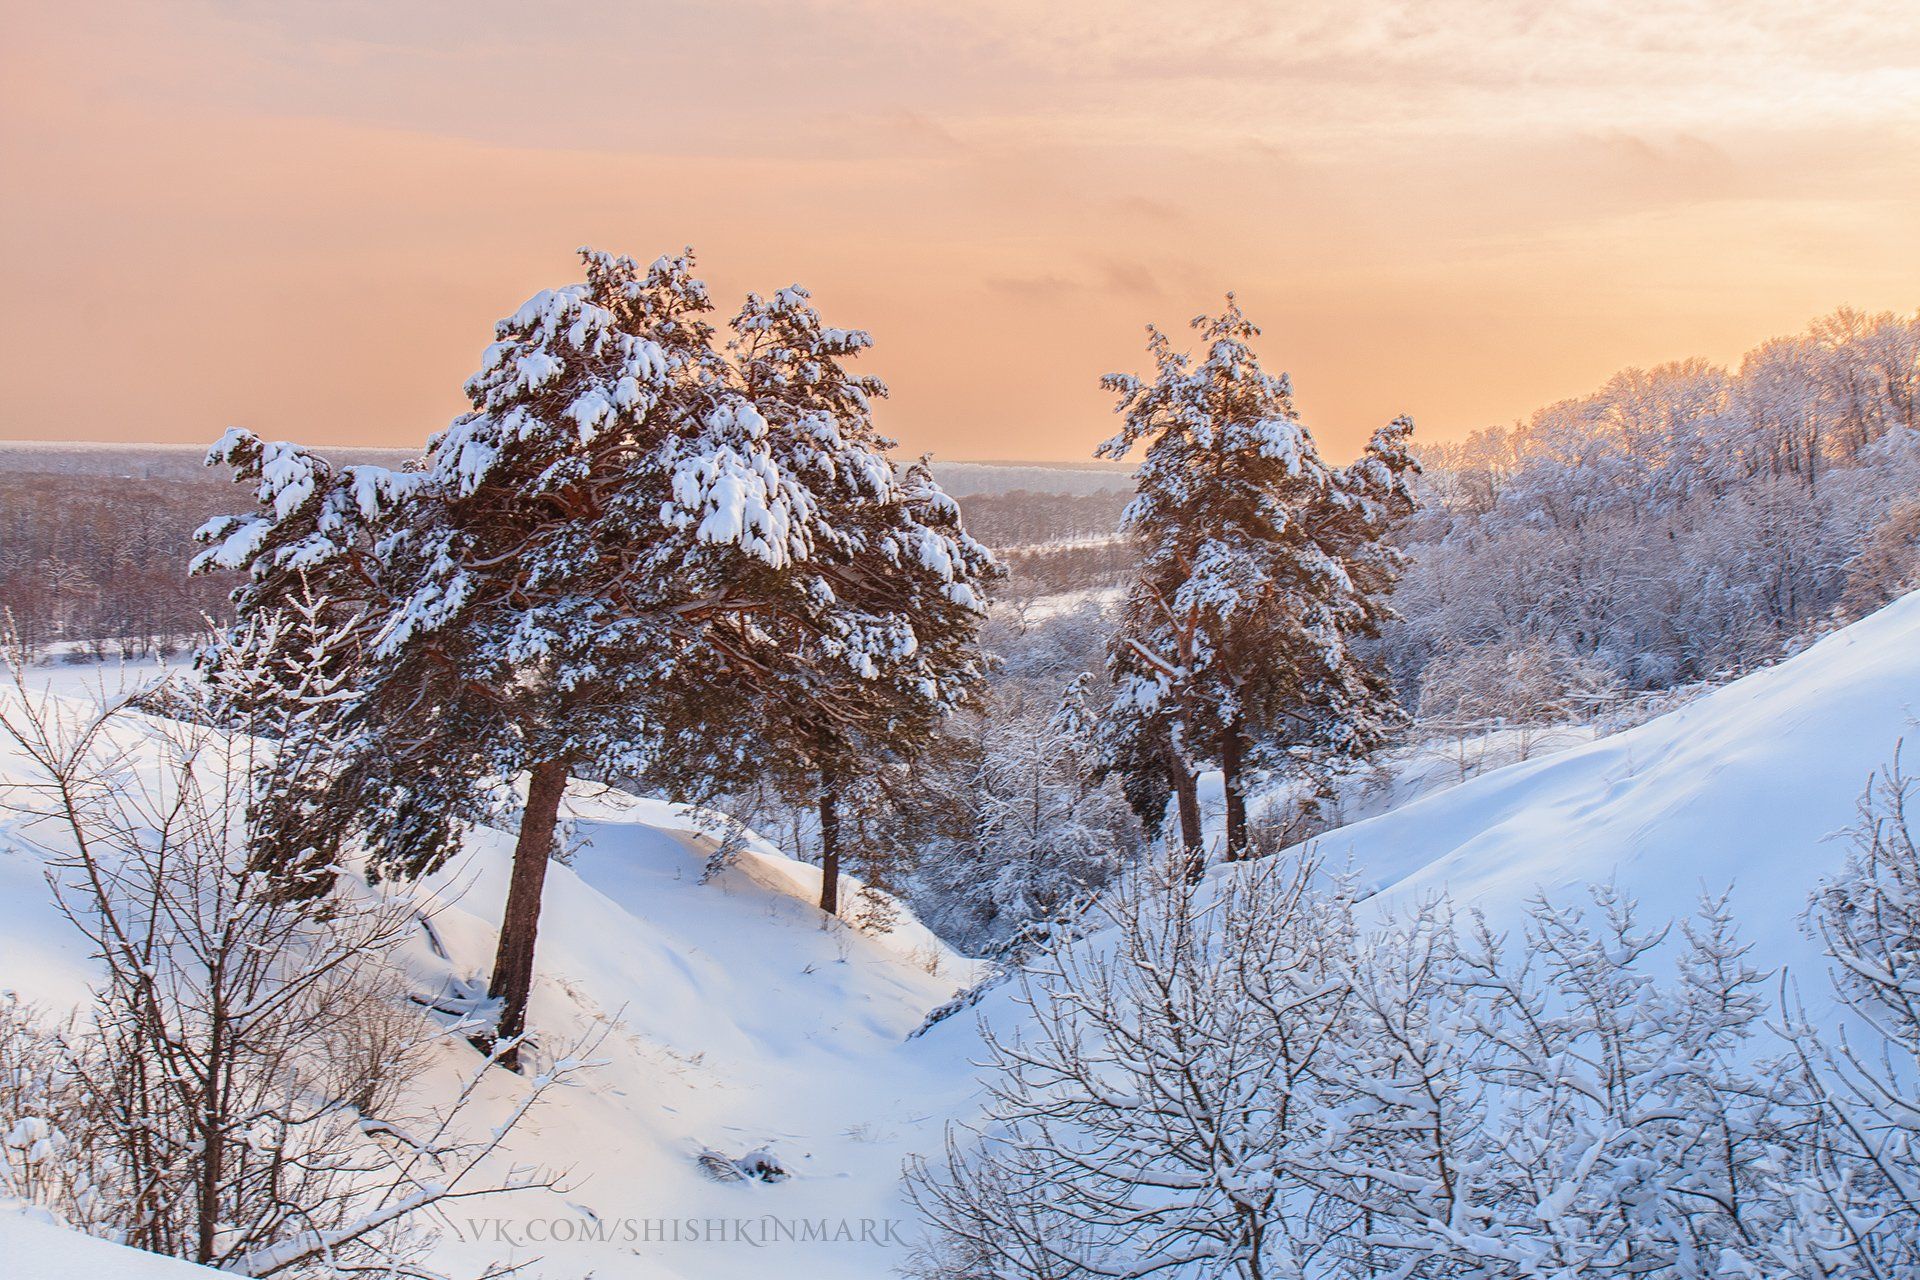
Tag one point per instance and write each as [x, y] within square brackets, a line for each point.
[1193, 839]
[1232, 758]
[829, 841]
[520, 923]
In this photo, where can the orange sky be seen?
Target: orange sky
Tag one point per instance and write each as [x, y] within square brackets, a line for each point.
[304, 217]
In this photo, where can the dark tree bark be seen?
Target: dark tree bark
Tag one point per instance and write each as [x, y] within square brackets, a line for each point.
[829, 840]
[1233, 751]
[1186, 790]
[212, 1131]
[520, 923]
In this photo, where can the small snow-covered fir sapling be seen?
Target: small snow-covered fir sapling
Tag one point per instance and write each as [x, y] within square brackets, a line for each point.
[1263, 570]
[285, 676]
[630, 544]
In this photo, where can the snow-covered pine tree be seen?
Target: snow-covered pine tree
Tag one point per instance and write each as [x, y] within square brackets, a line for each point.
[315, 532]
[1144, 739]
[1261, 567]
[537, 586]
[865, 643]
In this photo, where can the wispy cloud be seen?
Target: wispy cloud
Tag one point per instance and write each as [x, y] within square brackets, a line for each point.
[310, 212]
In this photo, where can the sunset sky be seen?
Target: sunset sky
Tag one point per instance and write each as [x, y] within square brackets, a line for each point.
[305, 217]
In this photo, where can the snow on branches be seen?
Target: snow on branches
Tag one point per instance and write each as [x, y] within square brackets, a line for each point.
[1245, 1081]
[1262, 570]
[635, 540]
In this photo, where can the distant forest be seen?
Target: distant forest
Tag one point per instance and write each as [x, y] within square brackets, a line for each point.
[98, 565]
[94, 545]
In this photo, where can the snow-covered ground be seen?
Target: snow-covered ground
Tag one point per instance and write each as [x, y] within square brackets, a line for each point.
[1040, 608]
[738, 1023]
[1397, 777]
[735, 1021]
[1745, 786]
[34, 1249]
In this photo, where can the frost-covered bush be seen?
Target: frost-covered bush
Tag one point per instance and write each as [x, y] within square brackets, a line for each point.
[1888, 565]
[1240, 1079]
[1014, 823]
[1858, 1211]
[1527, 680]
[48, 1152]
[239, 1092]
[1004, 821]
[1682, 522]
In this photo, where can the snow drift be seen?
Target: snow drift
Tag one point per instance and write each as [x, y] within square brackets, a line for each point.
[33, 1249]
[1743, 787]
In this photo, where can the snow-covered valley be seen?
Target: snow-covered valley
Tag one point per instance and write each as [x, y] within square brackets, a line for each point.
[728, 1021]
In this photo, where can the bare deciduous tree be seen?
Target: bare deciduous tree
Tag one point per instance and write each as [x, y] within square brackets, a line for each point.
[238, 1094]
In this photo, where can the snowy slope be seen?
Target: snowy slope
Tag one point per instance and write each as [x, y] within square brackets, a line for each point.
[31, 1249]
[1749, 787]
[736, 1023]
[1742, 787]
[740, 1024]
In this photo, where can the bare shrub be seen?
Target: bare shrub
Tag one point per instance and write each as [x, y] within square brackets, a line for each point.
[239, 1092]
[1888, 565]
[1246, 1084]
[1861, 1204]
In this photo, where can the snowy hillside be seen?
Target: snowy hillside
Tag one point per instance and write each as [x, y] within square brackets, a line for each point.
[1744, 787]
[737, 1026]
[34, 1250]
[1598, 1097]
[740, 1026]
[1741, 787]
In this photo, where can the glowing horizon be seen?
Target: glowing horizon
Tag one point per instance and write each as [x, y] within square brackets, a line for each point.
[304, 218]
